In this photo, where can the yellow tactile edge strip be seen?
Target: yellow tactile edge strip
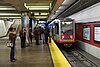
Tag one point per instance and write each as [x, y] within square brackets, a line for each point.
[58, 58]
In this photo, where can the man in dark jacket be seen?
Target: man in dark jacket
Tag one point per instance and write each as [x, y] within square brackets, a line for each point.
[46, 33]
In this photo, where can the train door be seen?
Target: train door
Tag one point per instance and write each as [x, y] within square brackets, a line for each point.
[56, 30]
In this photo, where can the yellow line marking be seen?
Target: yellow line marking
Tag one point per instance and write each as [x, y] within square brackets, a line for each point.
[58, 58]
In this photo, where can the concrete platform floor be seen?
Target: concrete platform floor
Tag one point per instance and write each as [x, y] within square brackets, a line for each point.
[32, 56]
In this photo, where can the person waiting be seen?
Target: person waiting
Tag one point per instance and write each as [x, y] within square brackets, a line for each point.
[12, 38]
[23, 37]
[30, 35]
[36, 35]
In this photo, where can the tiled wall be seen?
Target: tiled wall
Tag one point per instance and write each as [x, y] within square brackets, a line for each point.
[88, 45]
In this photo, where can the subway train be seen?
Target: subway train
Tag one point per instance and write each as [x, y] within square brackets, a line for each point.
[63, 31]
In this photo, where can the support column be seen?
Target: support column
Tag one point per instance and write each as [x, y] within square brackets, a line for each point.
[25, 24]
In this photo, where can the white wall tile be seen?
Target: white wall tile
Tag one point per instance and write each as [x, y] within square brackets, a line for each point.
[89, 14]
[93, 50]
[98, 52]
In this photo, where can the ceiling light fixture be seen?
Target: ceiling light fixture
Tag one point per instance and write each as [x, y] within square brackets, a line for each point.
[38, 8]
[41, 17]
[11, 17]
[9, 14]
[36, 13]
[44, 13]
[7, 9]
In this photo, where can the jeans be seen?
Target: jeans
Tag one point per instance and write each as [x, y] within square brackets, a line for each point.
[30, 37]
[12, 52]
[23, 42]
[46, 39]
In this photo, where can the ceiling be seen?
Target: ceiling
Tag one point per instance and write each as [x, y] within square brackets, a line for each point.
[70, 7]
[14, 8]
[43, 9]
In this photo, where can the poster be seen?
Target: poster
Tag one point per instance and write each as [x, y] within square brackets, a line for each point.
[86, 33]
[97, 33]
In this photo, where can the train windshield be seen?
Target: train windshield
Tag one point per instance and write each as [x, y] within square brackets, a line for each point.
[66, 30]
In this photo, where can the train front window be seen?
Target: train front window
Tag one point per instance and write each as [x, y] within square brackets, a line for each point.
[66, 30]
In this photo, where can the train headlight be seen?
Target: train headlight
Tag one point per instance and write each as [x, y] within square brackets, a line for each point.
[62, 36]
[71, 36]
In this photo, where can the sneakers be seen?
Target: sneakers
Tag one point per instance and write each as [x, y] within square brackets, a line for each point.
[13, 60]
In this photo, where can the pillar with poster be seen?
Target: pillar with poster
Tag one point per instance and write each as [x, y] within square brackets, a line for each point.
[25, 24]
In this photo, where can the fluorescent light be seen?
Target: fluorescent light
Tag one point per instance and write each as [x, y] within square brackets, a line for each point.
[40, 16]
[36, 13]
[38, 8]
[5, 6]
[10, 17]
[9, 14]
[7, 9]
[40, 13]
[44, 13]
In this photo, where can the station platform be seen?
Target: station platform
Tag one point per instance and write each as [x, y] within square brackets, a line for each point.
[32, 56]
[42, 55]
[58, 58]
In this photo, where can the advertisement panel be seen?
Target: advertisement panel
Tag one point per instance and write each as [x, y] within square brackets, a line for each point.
[86, 32]
[97, 33]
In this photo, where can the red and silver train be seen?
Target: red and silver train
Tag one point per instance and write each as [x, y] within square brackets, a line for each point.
[63, 31]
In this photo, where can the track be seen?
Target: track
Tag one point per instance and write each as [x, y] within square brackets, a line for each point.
[76, 58]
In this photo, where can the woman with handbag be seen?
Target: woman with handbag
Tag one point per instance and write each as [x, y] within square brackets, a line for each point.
[12, 38]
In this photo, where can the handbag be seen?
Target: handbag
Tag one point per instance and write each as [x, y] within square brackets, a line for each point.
[9, 44]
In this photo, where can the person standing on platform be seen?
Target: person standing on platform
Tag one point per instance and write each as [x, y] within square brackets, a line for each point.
[20, 35]
[23, 37]
[46, 33]
[14, 32]
[30, 34]
[12, 38]
[40, 32]
[36, 35]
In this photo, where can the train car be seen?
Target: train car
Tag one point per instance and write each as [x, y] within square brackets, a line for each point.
[63, 31]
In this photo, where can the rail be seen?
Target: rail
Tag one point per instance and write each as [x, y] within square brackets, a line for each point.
[77, 59]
